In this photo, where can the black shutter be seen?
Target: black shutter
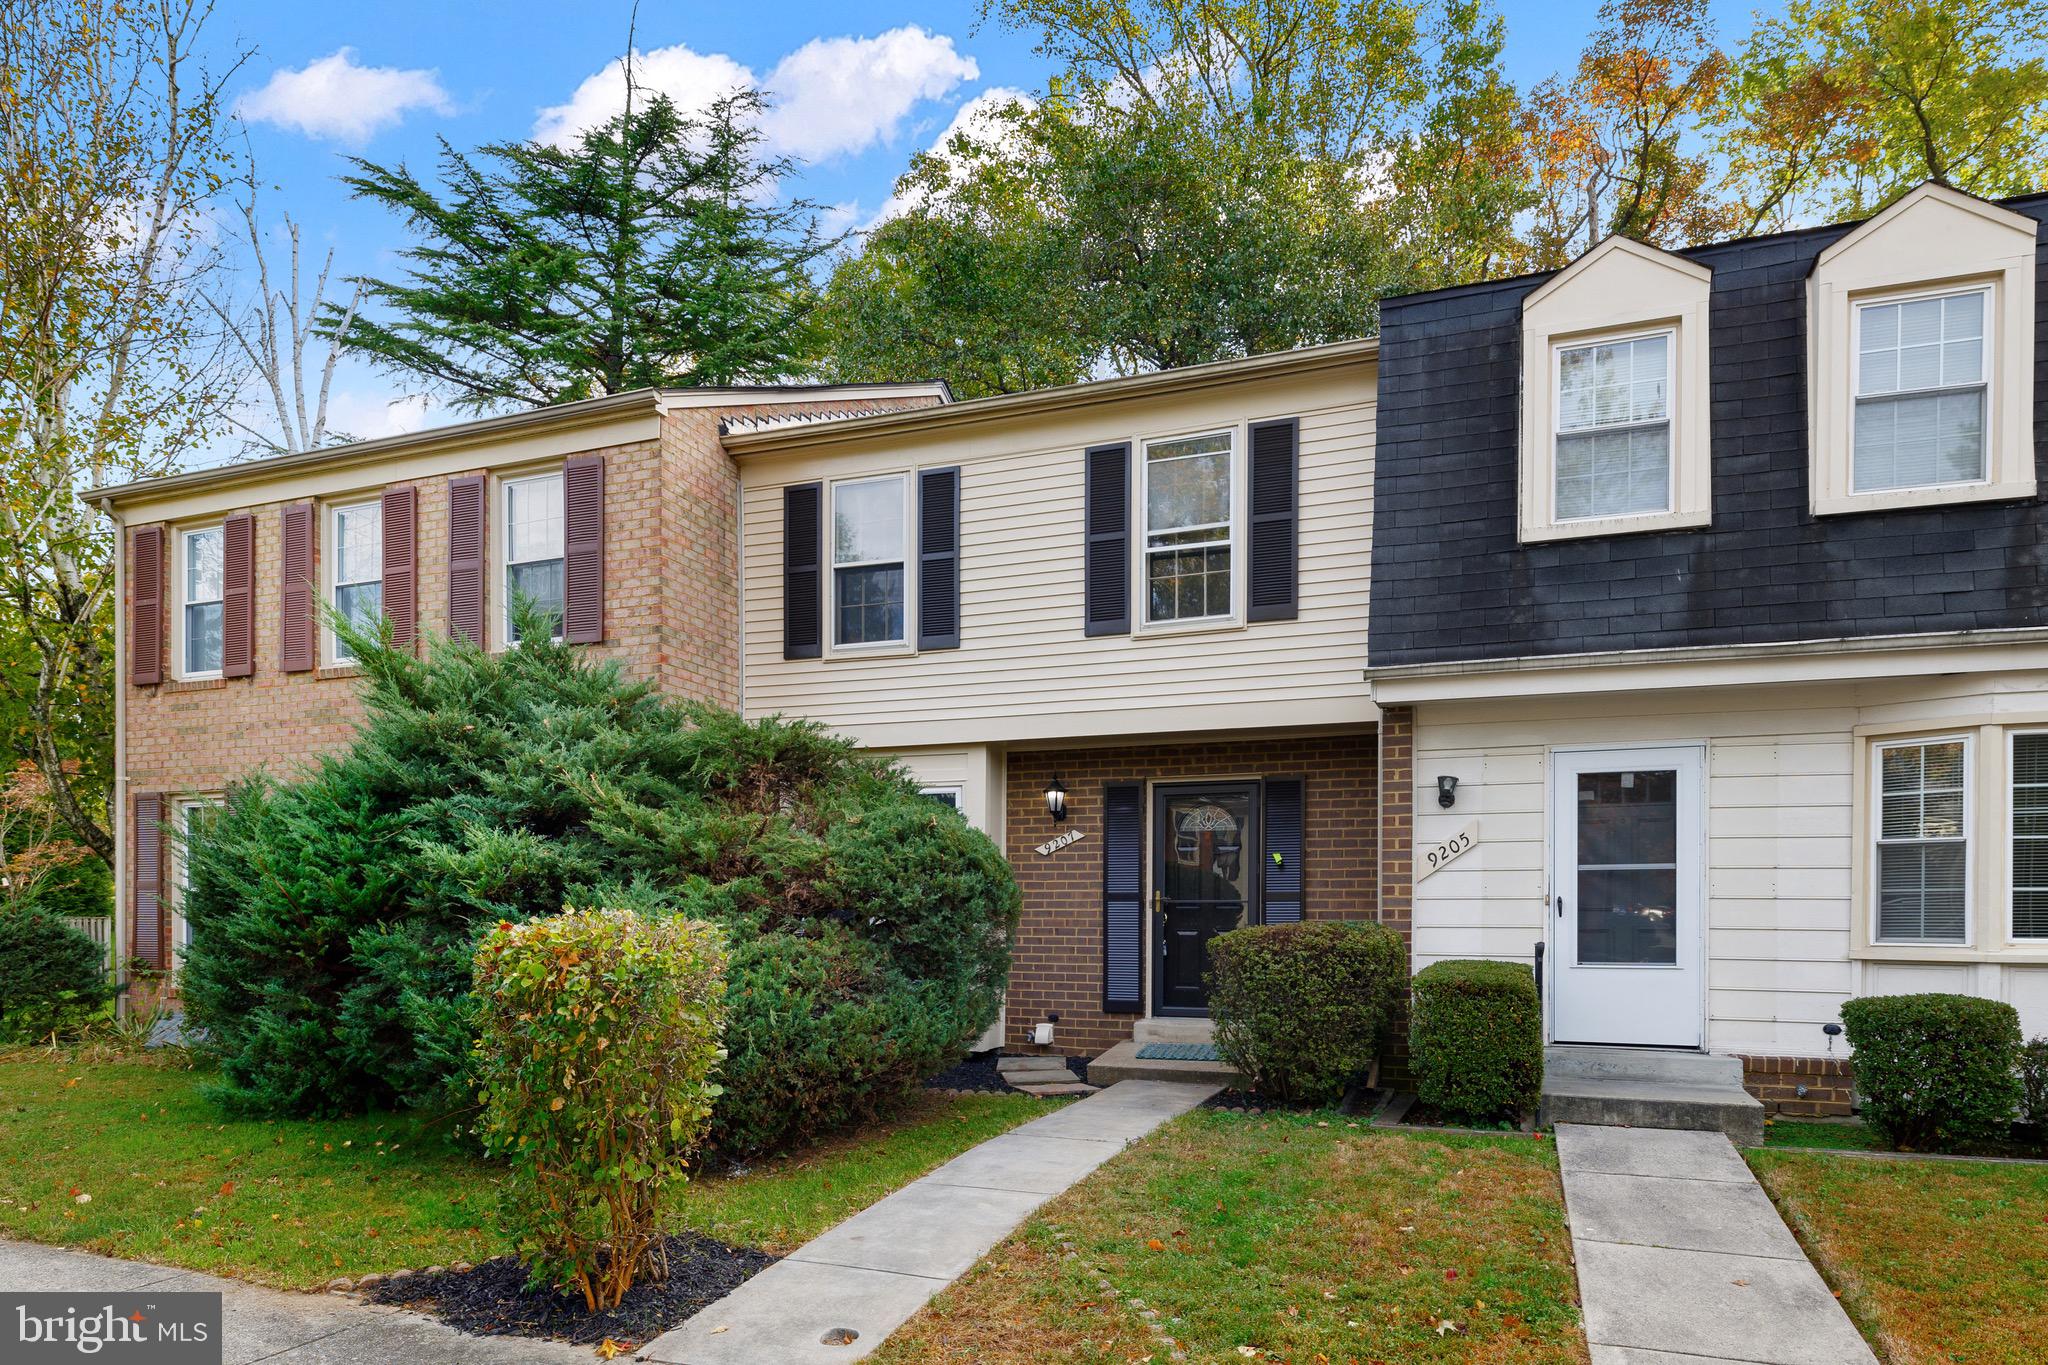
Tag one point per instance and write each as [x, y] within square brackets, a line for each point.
[1281, 892]
[803, 579]
[1123, 899]
[938, 558]
[1275, 457]
[1106, 513]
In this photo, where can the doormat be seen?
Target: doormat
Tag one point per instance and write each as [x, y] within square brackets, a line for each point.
[1178, 1052]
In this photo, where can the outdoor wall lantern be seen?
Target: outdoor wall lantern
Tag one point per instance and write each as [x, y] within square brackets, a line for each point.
[1056, 800]
[1447, 791]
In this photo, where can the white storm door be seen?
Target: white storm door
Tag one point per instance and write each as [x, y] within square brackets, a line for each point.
[1627, 848]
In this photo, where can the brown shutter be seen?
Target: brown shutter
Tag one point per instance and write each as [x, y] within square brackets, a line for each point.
[146, 606]
[238, 596]
[466, 558]
[146, 936]
[583, 550]
[295, 593]
[401, 564]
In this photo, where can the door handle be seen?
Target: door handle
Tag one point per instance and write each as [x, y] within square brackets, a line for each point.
[1560, 907]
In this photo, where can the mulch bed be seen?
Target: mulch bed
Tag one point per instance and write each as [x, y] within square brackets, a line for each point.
[978, 1075]
[492, 1299]
[1357, 1100]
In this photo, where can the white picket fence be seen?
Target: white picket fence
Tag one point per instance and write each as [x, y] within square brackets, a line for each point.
[98, 928]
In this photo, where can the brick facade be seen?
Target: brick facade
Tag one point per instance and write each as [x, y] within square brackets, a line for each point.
[1829, 1081]
[671, 611]
[1058, 963]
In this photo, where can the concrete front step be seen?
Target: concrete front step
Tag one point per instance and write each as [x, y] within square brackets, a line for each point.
[1122, 1063]
[1641, 1064]
[1173, 1031]
[1625, 1102]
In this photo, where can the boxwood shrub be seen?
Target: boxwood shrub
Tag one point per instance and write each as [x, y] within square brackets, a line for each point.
[2034, 1090]
[1302, 1009]
[1475, 1034]
[1935, 1071]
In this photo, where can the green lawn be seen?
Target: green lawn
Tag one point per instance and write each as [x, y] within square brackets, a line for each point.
[124, 1157]
[1821, 1133]
[1301, 1239]
[1937, 1261]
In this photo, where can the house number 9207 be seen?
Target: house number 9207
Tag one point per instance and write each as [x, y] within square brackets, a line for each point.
[1439, 856]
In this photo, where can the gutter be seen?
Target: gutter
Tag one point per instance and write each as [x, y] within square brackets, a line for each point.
[1066, 398]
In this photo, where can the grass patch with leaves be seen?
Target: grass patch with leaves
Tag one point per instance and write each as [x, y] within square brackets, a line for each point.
[127, 1158]
[1283, 1238]
[1937, 1261]
[1823, 1134]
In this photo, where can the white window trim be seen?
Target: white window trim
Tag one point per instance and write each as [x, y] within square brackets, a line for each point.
[1558, 347]
[1934, 240]
[330, 565]
[1619, 291]
[181, 814]
[1873, 833]
[178, 602]
[1879, 298]
[953, 789]
[2012, 937]
[870, 648]
[497, 537]
[1141, 557]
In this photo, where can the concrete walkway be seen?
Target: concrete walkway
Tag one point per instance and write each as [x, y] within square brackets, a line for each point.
[1683, 1259]
[869, 1274]
[270, 1325]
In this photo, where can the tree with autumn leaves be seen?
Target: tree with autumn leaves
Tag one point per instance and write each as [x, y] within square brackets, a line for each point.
[1202, 180]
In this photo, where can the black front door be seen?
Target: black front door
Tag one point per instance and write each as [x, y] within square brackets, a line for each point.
[1204, 880]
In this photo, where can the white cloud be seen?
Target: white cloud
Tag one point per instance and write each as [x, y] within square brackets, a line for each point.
[975, 118]
[837, 95]
[830, 96]
[334, 98]
[366, 416]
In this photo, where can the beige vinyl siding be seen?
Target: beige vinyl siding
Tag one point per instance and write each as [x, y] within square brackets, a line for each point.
[1784, 905]
[1025, 669]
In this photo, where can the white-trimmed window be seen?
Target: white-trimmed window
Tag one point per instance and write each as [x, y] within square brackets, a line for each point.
[944, 795]
[357, 566]
[202, 590]
[1920, 348]
[1614, 436]
[1921, 871]
[191, 817]
[869, 596]
[533, 542]
[1613, 441]
[1188, 528]
[2030, 836]
[1922, 396]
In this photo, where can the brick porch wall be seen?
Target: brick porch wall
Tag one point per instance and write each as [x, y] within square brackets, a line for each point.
[1829, 1082]
[1058, 963]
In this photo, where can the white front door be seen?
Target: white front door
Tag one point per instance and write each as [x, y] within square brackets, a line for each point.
[1627, 839]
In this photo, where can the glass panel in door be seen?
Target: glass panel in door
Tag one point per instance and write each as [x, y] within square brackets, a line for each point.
[1628, 867]
[1205, 879]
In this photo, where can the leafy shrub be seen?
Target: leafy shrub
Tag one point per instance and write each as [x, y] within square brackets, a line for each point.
[52, 978]
[1302, 1009]
[599, 1034]
[1475, 1032]
[1935, 1071]
[2034, 1089]
[335, 914]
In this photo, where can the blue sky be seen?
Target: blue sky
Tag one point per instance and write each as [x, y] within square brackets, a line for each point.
[861, 87]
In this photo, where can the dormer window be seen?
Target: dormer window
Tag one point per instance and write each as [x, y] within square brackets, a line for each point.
[1920, 392]
[1614, 396]
[1613, 454]
[1920, 346]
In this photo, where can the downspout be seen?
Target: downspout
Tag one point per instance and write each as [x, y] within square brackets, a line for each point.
[117, 794]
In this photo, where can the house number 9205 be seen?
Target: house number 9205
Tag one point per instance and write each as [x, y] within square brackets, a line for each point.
[1438, 856]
